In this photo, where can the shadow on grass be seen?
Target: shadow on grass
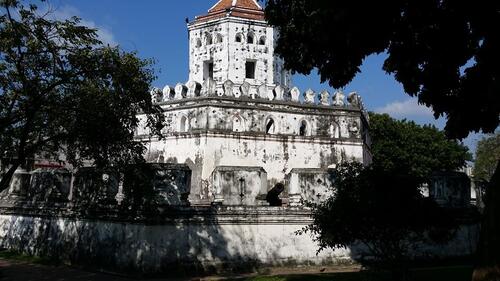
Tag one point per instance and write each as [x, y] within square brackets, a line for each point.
[16, 256]
[455, 273]
[344, 276]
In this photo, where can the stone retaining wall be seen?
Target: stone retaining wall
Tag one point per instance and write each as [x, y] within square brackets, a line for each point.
[208, 240]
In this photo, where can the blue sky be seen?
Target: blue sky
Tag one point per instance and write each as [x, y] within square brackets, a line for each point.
[156, 29]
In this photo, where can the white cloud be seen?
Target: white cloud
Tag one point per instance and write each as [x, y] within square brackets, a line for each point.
[406, 109]
[65, 12]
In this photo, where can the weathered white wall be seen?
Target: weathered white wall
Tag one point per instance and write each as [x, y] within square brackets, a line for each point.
[154, 248]
[277, 155]
[242, 185]
[248, 117]
[310, 185]
[214, 132]
[229, 56]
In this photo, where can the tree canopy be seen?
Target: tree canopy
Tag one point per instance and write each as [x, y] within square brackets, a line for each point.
[62, 92]
[487, 157]
[379, 215]
[446, 53]
[379, 211]
[415, 150]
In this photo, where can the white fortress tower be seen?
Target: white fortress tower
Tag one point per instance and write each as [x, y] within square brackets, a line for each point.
[240, 149]
[234, 43]
[237, 133]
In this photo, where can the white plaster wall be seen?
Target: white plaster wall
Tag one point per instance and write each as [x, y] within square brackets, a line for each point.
[208, 139]
[151, 247]
[330, 123]
[229, 56]
[157, 247]
[276, 154]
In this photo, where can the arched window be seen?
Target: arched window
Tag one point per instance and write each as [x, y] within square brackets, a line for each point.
[184, 124]
[270, 126]
[250, 38]
[335, 130]
[303, 129]
[218, 38]
[238, 38]
[198, 42]
[238, 124]
[262, 40]
[209, 40]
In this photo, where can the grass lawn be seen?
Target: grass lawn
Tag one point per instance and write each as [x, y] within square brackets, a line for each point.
[442, 273]
[452, 273]
[14, 256]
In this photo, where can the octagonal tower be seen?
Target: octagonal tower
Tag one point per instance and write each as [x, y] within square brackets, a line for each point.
[239, 130]
[233, 42]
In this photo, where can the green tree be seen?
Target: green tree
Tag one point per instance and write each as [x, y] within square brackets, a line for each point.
[62, 92]
[378, 211]
[417, 150]
[443, 52]
[487, 157]
[446, 53]
[380, 215]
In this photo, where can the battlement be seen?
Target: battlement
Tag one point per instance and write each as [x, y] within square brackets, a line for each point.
[264, 92]
[278, 113]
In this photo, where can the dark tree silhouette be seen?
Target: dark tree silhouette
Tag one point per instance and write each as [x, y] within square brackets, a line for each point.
[62, 92]
[444, 52]
[380, 207]
[381, 215]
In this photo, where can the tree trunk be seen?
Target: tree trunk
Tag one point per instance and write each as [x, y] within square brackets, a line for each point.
[488, 252]
[5, 182]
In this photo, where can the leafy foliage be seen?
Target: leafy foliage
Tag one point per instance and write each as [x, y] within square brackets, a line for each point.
[487, 157]
[63, 93]
[417, 150]
[443, 52]
[381, 210]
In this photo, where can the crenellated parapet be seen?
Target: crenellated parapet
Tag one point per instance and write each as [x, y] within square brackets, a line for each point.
[246, 91]
[271, 111]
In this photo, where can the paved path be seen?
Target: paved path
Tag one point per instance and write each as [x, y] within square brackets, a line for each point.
[23, 271]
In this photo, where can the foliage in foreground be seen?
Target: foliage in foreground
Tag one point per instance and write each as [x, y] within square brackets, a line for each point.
[446, 53]
[379, 211]
[62, 92]
[380, 215]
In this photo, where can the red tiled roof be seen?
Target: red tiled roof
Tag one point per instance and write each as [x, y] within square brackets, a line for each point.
[246, 9]
[226, 4]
